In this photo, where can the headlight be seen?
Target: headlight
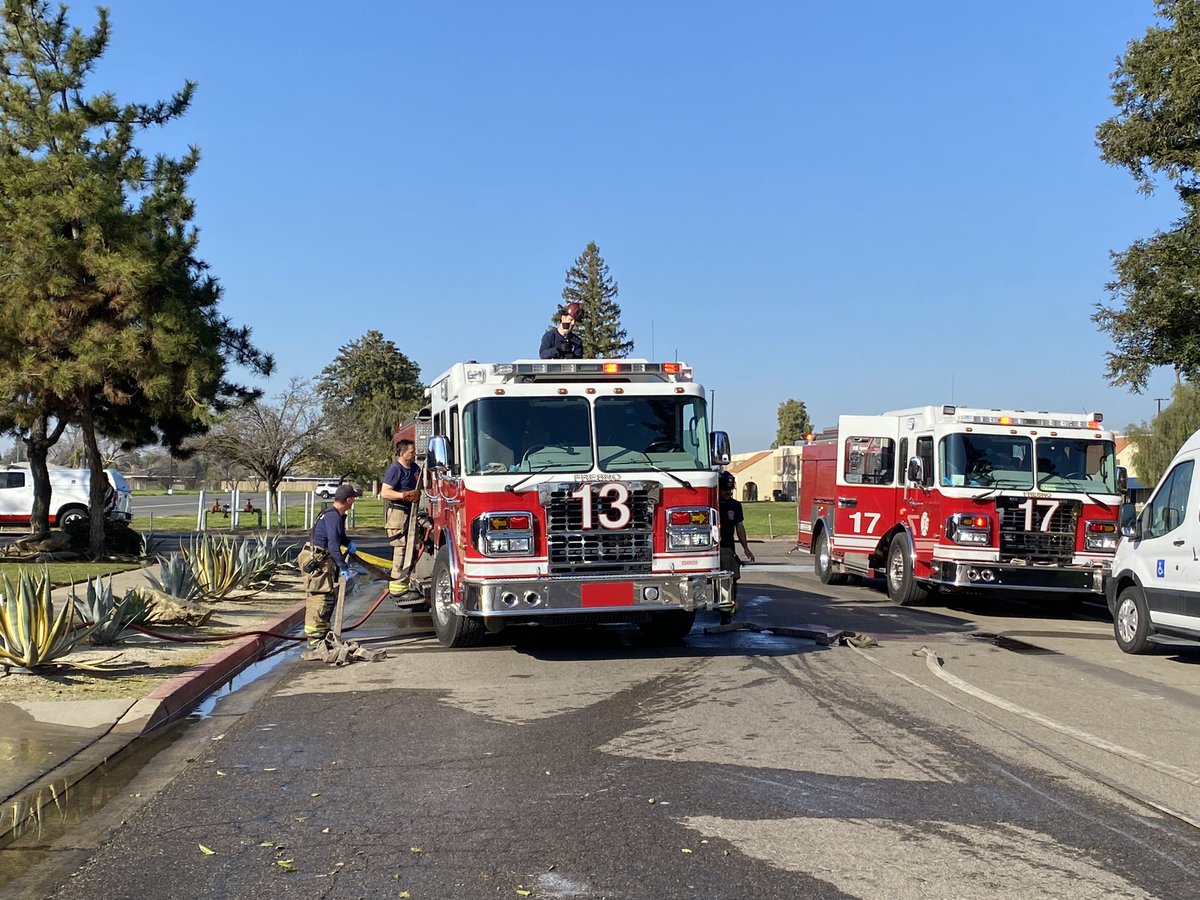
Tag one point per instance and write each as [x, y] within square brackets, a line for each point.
[689, 528]
[504, 534]
[968, 528]
[1101, 536]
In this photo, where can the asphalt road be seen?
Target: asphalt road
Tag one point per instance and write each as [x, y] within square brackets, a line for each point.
[1024, 756]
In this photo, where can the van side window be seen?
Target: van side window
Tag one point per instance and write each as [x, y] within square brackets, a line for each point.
[1168, 508]
[13, 480]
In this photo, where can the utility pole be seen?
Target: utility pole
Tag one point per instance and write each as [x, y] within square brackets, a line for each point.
[1159, 401]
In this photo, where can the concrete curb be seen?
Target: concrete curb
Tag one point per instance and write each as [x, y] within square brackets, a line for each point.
[165, 704]
[179, 695]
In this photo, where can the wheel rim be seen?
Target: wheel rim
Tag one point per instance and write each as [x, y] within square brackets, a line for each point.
[823, 553]
[1127, 621]
[896, 570]
[443, 598]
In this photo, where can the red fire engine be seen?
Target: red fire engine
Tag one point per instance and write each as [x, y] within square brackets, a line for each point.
[569, 491]
[950, 497]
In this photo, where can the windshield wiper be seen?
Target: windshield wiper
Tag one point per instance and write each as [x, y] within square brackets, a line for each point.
[1084, 490]
[512, 488]
[981, 497]
[687, 484]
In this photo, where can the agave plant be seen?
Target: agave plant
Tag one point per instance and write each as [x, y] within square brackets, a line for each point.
[175, 577]
[217, 565]
[32, 634]
[262, 558]
[109, 617]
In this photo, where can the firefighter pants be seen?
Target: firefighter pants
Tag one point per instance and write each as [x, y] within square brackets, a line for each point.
[732, 564]
[320, 599]
[396, 523]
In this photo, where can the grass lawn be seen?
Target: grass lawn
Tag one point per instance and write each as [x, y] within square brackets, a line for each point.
[764, 519]
[68, 572]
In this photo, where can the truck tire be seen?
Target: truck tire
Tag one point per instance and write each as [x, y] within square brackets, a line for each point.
[823, 563]
[669, 627]
[452, 629]
[1131, 621]
[902, 587]
[70, 514]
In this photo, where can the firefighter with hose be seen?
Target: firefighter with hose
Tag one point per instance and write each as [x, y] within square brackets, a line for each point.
[324, 565]
[401, 488]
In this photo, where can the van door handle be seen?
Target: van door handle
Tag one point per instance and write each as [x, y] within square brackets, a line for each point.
[1177, 543]
[847, 502]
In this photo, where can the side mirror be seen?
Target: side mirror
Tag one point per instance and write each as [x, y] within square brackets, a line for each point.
[718, 446]
[439, 452]
[1122, 479]
[916, 470]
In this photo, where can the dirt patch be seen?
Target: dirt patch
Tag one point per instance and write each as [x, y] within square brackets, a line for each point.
[139, 664]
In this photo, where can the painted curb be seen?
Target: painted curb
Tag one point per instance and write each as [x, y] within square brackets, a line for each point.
[179, 695]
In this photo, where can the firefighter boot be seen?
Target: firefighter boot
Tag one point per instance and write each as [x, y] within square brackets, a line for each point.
[318, 617]
[728, 609]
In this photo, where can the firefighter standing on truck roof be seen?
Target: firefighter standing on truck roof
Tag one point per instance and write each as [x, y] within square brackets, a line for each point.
[562, 342]
[731, 528]
[323, 564]
[400, 489]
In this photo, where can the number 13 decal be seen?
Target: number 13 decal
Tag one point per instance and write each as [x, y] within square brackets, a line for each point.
[618, 513]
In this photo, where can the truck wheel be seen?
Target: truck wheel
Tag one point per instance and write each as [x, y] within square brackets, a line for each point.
[669, 627]
[452, 629]
[902, 587]
[71, 514]
[823, 564]
[1131, 621]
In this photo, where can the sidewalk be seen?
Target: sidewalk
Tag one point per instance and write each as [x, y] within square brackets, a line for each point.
[58, 727]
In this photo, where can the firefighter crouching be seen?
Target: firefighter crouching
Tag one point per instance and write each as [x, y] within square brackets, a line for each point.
[323, 564]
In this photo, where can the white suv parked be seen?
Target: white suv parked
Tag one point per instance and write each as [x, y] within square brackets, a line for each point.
[325, 489]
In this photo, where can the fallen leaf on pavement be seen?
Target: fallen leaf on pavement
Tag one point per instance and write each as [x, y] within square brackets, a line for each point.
[206, 851]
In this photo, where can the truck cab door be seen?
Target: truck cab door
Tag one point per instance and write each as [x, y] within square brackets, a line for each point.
[869, 473]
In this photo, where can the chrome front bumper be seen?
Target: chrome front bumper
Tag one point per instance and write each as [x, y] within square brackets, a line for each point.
[975, 575]
[617, 594]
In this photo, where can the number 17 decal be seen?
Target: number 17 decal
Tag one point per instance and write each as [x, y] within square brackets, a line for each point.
[857, 519]
[1051, 509]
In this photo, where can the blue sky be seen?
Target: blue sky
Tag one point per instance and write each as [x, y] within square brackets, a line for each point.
[862, 206]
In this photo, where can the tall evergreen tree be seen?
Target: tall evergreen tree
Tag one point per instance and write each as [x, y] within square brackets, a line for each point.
[794, 423]
[590, 285]
[369, 387]
[1155, 317]
[109, 320]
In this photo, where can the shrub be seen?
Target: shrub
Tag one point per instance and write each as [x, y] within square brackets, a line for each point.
[31, 633]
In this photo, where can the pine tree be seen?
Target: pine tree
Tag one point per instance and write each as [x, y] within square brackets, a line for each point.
[591, 286]
[794, 423]
[107, 318]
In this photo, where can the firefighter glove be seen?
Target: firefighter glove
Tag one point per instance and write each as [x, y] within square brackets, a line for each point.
[347, 575]
[352, 548]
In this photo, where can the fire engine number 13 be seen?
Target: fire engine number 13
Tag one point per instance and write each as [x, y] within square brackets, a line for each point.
[618, 513]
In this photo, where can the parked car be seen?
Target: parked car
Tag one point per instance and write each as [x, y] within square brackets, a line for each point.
[69, 495]
[1154, 587]
[325, 489]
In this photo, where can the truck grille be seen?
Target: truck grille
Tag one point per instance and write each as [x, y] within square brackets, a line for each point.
[1054, 544]
[599, 550]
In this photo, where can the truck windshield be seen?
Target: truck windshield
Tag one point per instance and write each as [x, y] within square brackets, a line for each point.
[996, 461]
[527, 434]
[1076, 464]
[646, 433]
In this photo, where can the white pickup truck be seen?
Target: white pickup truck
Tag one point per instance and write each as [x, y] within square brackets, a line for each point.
[68, 495]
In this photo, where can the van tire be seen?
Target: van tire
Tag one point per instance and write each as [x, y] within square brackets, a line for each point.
[70, 514]
[1131, 621]
[452, 629]
[823, 562]
[902, 586]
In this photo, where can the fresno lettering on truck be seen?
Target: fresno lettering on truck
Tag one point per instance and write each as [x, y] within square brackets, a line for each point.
[69, 495]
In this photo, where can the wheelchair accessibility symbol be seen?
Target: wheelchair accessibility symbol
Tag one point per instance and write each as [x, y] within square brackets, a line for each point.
[1161, 571]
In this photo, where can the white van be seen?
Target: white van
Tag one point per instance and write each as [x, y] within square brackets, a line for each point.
[68, 495]
[1154, 587]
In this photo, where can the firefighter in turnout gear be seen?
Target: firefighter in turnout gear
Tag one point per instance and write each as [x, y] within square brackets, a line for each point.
[400, 491]
[324, 565]
[732, 531]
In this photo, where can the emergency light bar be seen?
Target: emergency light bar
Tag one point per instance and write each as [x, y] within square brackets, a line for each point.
[1033, 421]
[600, 368]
